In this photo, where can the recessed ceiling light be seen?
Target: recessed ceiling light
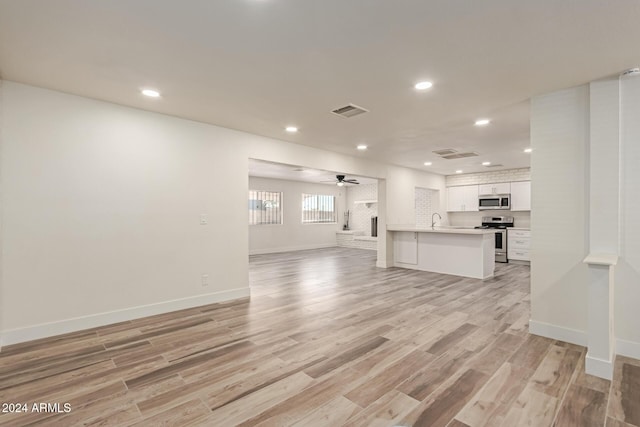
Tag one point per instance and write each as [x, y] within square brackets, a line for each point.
[482, 122]
[423, 85]
[361, 147]
[486, 163]
[151, 93]
[458, 171]
[527, 150]
[428, 163]
[291, 129]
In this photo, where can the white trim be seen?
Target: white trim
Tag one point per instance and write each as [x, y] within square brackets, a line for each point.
[601, 259]
[598, 367]
[547, 330]
[519, 261]
[45, 330]
[628, 348]
[291, 249]
[381, 263]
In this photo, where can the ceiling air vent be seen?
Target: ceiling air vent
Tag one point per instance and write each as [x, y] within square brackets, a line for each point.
[349, 111]
[494, 166]
[445, 152]
[459, 156]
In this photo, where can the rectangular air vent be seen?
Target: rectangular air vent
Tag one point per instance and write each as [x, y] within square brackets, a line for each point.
[445, 152]
[349, 111]
[459, 156]
[494, 166]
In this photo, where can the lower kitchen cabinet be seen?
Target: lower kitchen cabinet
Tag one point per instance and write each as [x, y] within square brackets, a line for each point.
[405, 247]
[518, 245]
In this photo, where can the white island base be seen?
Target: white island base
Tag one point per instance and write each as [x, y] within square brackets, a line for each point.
[460, 252]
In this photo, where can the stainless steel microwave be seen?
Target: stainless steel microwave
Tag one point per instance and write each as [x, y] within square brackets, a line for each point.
[488, 202]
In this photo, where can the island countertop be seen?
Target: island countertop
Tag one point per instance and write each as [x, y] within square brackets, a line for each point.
[441, 229]
[460, 251]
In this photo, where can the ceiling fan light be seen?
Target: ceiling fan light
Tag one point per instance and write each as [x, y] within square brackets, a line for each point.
[340, 183]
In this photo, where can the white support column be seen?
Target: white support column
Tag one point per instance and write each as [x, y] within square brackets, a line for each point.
[604, 223]
[385, 238]
[601, 338]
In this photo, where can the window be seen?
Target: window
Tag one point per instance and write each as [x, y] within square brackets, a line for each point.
[318, 209]
[265, 207]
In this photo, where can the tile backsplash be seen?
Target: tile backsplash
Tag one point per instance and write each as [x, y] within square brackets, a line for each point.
[360, 213]
[424, 206]
[509, 175]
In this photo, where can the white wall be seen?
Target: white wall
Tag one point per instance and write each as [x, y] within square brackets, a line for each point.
[360, 214]
[559, 206]
[292, 234]
[101, 210]
[400, 193]
[1, 211]
[627, 296]
[563, 227]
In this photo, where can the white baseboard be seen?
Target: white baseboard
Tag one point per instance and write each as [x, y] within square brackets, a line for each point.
[598, 367]
[44, 330]
[628, 348]
[547, 330]
[291, 249]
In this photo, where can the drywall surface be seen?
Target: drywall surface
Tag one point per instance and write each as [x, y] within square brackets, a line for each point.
[292, 234]
[627, 292]
[102, 208]
[559, 208]
[103, 204]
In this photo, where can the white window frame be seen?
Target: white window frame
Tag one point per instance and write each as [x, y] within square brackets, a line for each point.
[268, 218]
[319, 216]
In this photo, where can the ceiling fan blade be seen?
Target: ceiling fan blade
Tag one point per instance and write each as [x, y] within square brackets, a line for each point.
[352, 181]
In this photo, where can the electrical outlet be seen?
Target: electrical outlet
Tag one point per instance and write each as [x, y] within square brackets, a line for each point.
[204, 219]
[205, 280]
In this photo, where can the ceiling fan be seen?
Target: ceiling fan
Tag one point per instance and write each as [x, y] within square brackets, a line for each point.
[340, 181]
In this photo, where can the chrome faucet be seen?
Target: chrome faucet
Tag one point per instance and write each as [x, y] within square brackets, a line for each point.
[433, 223]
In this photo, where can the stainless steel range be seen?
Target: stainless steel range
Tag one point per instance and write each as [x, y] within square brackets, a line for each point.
[500, 223]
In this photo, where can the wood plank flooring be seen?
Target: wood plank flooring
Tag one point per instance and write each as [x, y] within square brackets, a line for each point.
[326, 339]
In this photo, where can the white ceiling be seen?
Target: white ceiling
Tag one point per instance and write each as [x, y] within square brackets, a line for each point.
[265, 169]
[260, 65]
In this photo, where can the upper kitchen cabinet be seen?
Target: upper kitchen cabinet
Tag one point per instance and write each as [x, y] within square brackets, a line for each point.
[462, 199]
[499, 188]
[521, 196]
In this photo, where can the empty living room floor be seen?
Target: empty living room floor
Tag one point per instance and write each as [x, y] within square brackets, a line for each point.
[326, 339]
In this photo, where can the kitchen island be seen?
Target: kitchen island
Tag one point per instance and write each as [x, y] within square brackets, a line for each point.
[459, 251]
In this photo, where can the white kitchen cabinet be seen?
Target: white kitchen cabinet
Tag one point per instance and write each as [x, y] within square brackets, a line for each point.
[462, 199]
[498, 188]
[518, 245]
[521, 196]
[455, 199]
[405, 247]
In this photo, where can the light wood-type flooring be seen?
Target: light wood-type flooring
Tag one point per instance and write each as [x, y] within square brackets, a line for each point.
[327, 339]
